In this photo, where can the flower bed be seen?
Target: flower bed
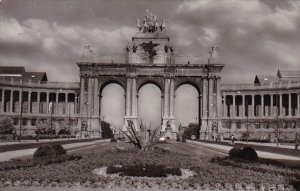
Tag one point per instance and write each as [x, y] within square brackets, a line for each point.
[211, 174]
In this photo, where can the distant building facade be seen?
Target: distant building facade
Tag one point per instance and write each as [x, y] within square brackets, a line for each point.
[267, 108]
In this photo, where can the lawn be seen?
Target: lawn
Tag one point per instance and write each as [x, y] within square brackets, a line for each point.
[212, 172]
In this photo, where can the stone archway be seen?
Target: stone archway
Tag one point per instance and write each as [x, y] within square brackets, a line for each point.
[150, 57]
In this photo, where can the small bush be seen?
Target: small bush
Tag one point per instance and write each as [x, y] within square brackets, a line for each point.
[59, 150]
[183, 140]
[235, 152]
[44, 151]
[113, 140]
[248, 153]
[49, 151]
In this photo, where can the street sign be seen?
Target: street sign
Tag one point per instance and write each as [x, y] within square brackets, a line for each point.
[193, 137]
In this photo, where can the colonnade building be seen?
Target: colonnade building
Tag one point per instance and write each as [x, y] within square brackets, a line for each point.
[267, 108]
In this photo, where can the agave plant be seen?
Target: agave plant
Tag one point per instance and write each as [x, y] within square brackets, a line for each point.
[143, 139]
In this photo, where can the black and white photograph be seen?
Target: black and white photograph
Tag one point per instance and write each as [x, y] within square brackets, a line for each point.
[149, 95]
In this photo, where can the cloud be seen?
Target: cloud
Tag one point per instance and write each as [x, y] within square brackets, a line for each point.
[251, 35]
[51, 46]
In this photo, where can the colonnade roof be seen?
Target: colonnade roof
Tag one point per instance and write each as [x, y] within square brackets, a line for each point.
[19, 73]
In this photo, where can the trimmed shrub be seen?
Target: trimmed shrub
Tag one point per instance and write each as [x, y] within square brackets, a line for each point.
[183, 140]
[113, 140]
[49, 151]
[44, 151]
[235, 152]
[248, 153]
[59, 150]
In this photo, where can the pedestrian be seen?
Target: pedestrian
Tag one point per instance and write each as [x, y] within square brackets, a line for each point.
[296, 141]
[232, 139]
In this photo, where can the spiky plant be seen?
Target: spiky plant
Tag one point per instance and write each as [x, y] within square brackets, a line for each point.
[140, 139]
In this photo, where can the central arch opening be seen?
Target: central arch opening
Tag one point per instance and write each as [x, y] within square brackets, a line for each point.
[149, 106]
[186, 106]
[112, 105]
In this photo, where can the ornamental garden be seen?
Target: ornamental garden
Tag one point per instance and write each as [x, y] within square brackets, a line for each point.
[143, 161]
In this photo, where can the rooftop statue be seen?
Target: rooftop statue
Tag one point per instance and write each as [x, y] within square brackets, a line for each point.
[151, 24]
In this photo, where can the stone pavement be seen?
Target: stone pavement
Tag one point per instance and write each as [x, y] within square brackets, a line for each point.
[225, 149]
[280, 145]
[5, 156]
[42, 140]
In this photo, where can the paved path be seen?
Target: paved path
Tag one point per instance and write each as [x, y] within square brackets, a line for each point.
[5, 156]
[42, 140]
[280, 145]
[225, 149]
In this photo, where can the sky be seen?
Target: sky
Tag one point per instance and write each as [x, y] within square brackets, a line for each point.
[252, 36]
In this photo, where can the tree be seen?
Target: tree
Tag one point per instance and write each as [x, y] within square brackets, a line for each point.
[106, 131]
[64, 127]
[6, 125]
[190, 130]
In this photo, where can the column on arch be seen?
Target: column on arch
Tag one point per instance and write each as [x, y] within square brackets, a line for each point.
[210, 98]
[96, 97]
[134, 98]
[204, 98]
[166, 97]
[128, 97]
[82, 100]
[90, 96]
[219, 103]
[172, 94]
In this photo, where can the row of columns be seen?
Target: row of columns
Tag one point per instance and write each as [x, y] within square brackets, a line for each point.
[262, 104]
[29, 100]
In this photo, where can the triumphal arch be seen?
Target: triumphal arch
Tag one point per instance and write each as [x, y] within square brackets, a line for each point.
[150, 59]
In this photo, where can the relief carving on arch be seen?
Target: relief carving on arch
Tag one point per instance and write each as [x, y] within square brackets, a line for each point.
[196, 82]
[159, 81]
